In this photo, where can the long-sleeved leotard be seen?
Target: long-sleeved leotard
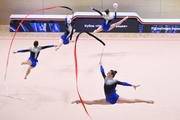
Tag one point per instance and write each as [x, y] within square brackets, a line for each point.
[67, 36]
[110, 85]
[34, 53]
[107, 19]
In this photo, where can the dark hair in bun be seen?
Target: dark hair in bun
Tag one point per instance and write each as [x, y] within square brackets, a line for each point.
[107, 11]
[113, 72]
[36, 43]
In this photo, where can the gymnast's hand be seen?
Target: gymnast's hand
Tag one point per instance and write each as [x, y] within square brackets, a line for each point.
[100, 63]
[115, 9]
[135, 86]
[14, 52]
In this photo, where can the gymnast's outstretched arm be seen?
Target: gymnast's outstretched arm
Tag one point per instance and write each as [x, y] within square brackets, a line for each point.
[102, 70]
[21, 51]
[97, 11]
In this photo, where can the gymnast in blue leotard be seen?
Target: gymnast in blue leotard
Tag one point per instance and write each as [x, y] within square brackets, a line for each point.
[111, 97]
[34, 54]
[106, 24]
[66, 38]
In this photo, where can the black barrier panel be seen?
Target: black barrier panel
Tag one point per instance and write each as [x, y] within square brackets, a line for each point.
[131, 25]
[81, 24]
[159, 28]
[90, 24]
[38, 26]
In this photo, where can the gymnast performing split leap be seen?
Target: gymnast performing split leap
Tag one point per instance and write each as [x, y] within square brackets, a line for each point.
[66, 38]
[106, 24]
[34, 53]
[111, 97]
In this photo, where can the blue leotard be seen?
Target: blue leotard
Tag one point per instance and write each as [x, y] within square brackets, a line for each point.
[110, 86]
[34, 53]
[67, 36]
[107, 20]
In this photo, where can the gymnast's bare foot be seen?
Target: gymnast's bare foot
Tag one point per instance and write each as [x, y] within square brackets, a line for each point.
[150, 101]
[58, 48]
[76, 101]
[72, 41]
